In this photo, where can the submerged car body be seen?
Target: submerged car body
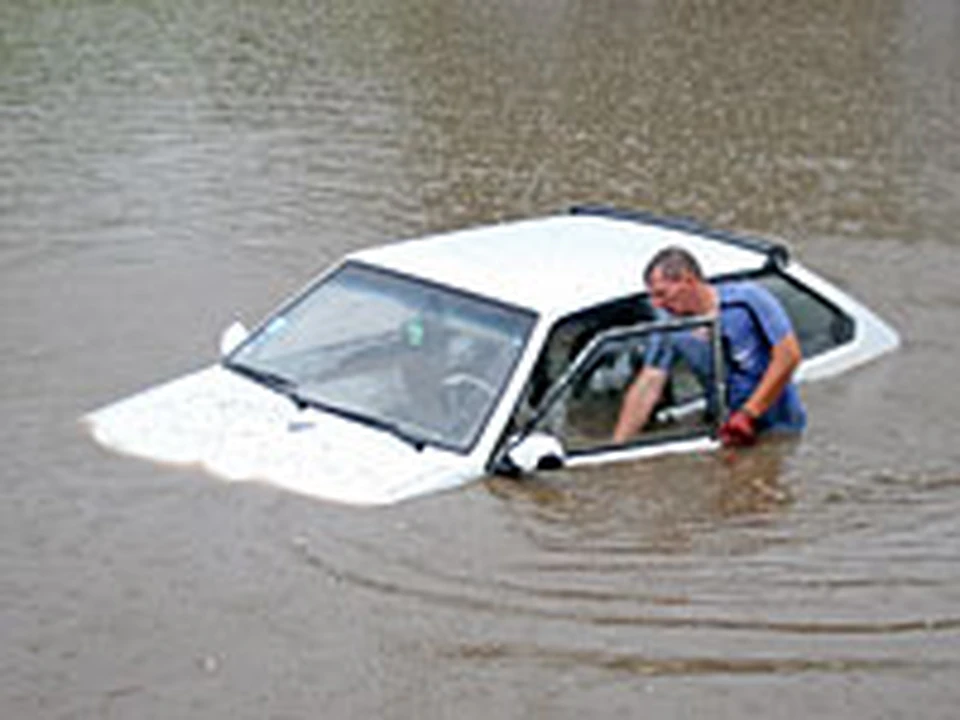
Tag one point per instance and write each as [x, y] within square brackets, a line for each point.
[422, 365]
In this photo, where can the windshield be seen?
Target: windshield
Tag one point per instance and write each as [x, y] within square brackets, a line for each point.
[423, 361]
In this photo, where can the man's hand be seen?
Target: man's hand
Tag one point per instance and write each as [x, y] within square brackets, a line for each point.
[739, 430]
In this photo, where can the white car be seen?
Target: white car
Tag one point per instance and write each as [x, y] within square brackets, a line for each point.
[422, 365]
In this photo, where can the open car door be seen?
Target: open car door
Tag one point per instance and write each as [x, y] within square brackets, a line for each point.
[574, 423]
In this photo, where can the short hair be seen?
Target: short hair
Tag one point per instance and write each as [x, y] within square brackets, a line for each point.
[673, 261]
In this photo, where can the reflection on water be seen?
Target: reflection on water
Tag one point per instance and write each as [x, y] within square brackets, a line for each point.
[168, 165]
[655, 506]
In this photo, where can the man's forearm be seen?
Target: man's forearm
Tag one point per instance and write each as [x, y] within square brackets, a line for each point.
[638, 403]
[785, 356]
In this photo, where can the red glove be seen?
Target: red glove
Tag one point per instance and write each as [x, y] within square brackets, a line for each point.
[739, 430]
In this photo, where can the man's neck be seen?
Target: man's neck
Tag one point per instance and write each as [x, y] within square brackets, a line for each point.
[708, 299]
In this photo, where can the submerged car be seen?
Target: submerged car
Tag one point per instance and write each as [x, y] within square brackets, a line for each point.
[419, 366]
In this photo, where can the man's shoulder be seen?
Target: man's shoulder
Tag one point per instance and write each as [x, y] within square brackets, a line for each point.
[743, 291]
[760, 303]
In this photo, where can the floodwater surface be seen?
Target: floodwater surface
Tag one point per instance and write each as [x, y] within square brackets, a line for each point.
[168, 166]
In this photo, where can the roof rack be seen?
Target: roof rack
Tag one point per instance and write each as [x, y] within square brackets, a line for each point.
[777, 254]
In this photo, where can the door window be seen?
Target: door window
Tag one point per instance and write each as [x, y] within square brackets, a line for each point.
[582, 408]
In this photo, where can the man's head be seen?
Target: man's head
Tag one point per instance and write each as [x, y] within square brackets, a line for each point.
[676, 282]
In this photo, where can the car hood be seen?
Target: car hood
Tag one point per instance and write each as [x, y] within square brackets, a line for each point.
[239, 431]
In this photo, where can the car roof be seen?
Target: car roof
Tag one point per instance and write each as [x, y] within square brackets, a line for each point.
[559, 264]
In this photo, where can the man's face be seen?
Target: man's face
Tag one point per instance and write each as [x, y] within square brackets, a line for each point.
[677, 296]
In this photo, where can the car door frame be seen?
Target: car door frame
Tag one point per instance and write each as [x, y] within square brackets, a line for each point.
[640, 446]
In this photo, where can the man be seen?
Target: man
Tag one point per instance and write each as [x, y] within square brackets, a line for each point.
[760, 351]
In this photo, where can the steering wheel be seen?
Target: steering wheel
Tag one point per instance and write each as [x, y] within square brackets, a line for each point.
[464, 378]
[458, 388]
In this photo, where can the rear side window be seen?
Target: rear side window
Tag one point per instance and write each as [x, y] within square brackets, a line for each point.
[819, 325]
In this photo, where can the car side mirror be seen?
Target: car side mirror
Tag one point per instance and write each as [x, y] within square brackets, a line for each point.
[231, 338]
[537, 451]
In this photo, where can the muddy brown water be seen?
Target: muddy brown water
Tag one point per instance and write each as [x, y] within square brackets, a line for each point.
[165, 166]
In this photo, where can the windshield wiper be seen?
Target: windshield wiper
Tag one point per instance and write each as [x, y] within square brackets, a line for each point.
[275, 381]
[287, 387]
[415, 441]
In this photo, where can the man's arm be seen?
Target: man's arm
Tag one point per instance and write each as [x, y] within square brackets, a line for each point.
[638, 402]
[785, 356]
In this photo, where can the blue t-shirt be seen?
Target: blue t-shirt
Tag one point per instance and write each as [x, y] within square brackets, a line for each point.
[752, 321]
